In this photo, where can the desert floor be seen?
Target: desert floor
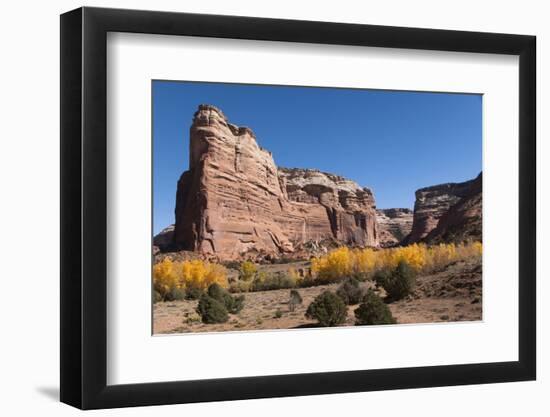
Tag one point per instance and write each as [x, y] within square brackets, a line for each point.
[453, 294]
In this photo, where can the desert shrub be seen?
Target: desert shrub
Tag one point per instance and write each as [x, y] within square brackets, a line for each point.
[373, 311]
[193, 293]
[238, 304]
[328, 309]
[381, 276]
[294, 300]
[350, 291]
[276, 281]
[211, 310]
[400, 282]
[361, 276]
[156, 297]
[175, 294]
[240, 286]
[247, 271]
[232, 304]
[278, 314]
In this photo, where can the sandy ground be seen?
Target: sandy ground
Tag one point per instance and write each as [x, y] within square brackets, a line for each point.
[453, 294]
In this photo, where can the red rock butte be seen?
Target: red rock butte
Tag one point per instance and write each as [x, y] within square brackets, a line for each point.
[234, 200]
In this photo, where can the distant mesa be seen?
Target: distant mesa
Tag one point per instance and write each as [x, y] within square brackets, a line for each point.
[234, 203]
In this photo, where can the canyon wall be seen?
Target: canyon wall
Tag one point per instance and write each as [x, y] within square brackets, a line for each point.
[448, 212]
[233, 201]
[394, 225]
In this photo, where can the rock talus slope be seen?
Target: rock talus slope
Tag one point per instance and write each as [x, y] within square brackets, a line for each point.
[233, 200]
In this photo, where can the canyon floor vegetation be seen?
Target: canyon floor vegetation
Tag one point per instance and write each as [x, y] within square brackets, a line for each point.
[345, 287]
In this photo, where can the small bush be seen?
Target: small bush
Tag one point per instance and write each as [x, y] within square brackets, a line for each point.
[193, 293]
[175, 294]
[238, 304]
[232, 304]
[157, 298]
[240, 286]
[211, 310]
[373, 311]
[381, 276]
[247, 271]
[274, 281]
[350, 291]
[294, 300]
[328, 309]
[400, 282]
[361, 276]
[278, 314]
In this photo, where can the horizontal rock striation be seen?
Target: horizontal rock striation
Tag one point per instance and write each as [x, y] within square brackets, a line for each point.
[234, 201]
[440, 211]
[394, 225]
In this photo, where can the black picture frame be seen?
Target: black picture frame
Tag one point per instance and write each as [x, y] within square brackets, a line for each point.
[84, 207]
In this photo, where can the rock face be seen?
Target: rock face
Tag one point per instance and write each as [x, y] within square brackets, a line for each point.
[462, 221]
[394, 225]
[165, 238]
[447, 212]
[349, 208]
[234, 201]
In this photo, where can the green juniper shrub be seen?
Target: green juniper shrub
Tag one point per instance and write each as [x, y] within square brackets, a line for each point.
[294, 300]
[193, 293]
[157, 298]
[238, 304]
[350, 291]
[361, 276]
[211, 310]
[232, 304]
[175, 294]
[328, 309]
[400, 282]
[373, 310]
[381, 276]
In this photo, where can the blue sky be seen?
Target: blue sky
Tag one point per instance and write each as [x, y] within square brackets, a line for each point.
[393, 142]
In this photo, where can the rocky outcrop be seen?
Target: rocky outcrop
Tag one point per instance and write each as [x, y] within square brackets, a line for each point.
[234, 201]
[394, 225]
[164, 240]
[447, 212]
[463, 221]
[349, 207]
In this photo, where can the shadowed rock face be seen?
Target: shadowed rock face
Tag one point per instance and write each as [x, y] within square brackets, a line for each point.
[447, 212]
[234, 200]
[463, 220]
[394, 225]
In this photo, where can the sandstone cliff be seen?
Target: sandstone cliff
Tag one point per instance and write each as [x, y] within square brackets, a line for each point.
[463, 220]
[394, 225]
[234, 201]
[447, 212]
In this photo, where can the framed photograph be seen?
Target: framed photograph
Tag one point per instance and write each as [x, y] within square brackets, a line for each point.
[259, 208]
